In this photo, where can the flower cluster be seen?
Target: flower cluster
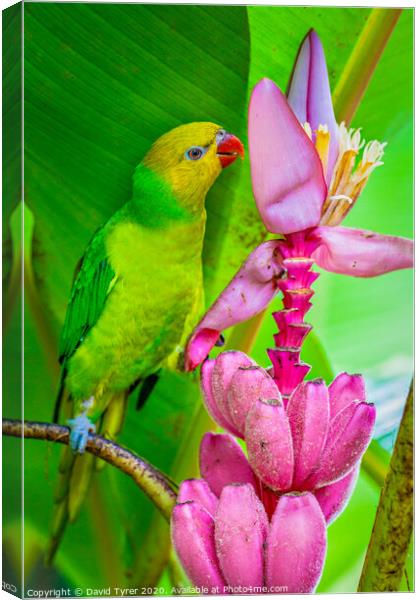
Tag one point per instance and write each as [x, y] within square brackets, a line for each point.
[259, 520]
[302, 444]
[303, 462]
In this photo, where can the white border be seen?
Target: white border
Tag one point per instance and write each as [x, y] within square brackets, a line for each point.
[322, 3]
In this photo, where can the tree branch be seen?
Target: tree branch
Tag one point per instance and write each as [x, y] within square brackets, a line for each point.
[150, 480]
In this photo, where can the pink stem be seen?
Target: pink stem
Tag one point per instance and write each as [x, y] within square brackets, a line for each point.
[295, 251]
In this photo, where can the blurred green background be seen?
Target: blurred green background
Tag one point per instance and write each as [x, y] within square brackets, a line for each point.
[101, 83]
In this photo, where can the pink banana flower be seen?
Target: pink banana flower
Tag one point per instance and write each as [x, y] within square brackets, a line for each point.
[226, 540]
[259, 524]
[307, 173]
[314, 439]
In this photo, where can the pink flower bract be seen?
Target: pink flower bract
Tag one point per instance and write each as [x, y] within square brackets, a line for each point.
[305, 179]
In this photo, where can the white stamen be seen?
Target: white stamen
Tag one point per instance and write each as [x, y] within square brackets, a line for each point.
[323, 128]
[351, 172]
[350, 139]
[373, 152]
[342, 197]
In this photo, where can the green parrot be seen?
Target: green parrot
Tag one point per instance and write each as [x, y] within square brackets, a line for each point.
[136, 297]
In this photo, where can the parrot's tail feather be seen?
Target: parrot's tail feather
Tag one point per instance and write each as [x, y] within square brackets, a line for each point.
[112, 420]
[81, 476]
[60, 510]
[76, 470]
[75, 475]
[63, 484]
[66, 460]
[59, 524]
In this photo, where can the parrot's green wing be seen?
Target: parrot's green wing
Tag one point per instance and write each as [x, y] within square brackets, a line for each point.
[91, 287]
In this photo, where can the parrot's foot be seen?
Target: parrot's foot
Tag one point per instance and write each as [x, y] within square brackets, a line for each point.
[80, 428]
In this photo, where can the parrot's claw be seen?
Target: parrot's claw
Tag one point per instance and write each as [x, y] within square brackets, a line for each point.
[80, 428]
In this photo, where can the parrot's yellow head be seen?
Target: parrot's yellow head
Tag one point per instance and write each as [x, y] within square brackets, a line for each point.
[190, 158]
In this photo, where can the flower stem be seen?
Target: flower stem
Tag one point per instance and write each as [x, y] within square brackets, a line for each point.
[362, 62]
[288, 370]
[386, 555]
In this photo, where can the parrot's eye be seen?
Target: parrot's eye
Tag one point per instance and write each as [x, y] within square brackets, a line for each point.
[220, 135]
[195, 153]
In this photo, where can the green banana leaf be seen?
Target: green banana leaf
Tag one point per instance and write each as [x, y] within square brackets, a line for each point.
[106, 102]
[101, 83]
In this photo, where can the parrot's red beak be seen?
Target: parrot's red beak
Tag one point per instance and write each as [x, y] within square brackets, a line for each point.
[229, 147]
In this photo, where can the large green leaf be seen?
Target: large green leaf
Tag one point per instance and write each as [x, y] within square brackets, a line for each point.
[102, 83]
